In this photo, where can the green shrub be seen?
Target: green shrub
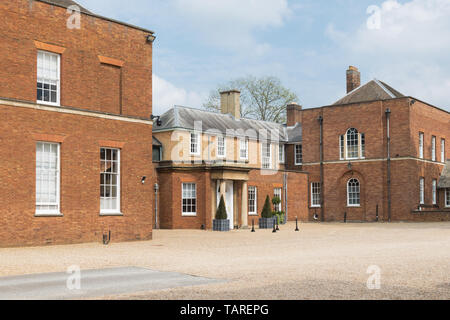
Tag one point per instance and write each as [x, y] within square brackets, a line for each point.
[221, 213]
[267, 211]
[276, 200]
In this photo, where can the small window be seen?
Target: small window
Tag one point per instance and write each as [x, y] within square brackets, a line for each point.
[47, 178]
[195, 144]
[422, 190]
[353, 193]
[189, 198]
[433, 148]
[352, 145]
[443, 150]
[281, 153]
[315, 194]
[243, 149]
[277, 192]
[298, 154]
[447, 198]
[109, 181]
[221, 146]
[266, 155]
[434, 191]
[421, 145]
[157, 154]
[48, 78]
[252, 201]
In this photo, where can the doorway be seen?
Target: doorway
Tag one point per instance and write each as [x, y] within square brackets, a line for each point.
[229, 200]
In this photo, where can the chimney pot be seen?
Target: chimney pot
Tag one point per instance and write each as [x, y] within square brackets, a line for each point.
[353, 78]
[294, 111]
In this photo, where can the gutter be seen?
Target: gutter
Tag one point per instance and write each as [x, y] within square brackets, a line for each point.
[388, 135]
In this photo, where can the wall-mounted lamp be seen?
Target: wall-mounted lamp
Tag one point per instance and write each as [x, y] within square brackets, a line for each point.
[349, 166]
[158, 120]
[143, 179]
[151, 38]
[156, 187]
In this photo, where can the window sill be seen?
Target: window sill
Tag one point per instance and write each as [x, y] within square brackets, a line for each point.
[253, 214]
[189, 215]
[315, 207]
[48, 103]
[111, 214]
[48, 215]
[354, 206]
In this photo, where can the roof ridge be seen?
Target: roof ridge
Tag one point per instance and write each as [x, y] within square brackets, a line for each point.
[389, 92]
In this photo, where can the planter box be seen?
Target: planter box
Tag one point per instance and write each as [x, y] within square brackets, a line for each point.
[267, 223]
[221, 225]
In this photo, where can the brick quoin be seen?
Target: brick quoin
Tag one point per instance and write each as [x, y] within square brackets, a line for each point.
[114, 96]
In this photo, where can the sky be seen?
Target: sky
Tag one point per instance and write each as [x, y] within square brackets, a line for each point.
[308, 44]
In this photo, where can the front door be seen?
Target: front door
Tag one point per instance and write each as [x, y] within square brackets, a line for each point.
[229, 200]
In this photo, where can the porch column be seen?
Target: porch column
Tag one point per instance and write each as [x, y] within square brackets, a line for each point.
[244, 212]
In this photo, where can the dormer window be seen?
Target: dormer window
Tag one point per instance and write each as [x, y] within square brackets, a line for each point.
[352, 145]
[195, 144]
[221, 146]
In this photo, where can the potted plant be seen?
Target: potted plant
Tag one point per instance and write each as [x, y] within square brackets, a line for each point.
[278, 215]
[221, 223]
[266, 221]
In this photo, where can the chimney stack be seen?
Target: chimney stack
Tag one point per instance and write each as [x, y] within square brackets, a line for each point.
[294, 112]
[230, 102]
[353, 79]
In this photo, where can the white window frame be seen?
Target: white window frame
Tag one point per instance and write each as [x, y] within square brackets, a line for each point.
[433, 148]
[278, 192]
[434, 191]
[57, 212]
[116, 211]
[447, 197]
[264, 164]
[315, 186]
[255, 190]
[198, 143]
[224, 146]
[342, 147]
[188, 214]
[243, 146]
[443, 150]
[295, 154]
[360, 147]
[421, 141]
[58, 81]
[422, 190]
[348, 193]
[281, 153]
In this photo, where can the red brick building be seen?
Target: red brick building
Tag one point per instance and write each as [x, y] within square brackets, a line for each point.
[374, 155]
[76, 131]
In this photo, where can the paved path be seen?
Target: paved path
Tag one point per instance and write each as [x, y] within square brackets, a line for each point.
[94, 283]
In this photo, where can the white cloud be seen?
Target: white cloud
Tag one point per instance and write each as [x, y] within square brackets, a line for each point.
[409, 50]
[166, 95]
[230, 23]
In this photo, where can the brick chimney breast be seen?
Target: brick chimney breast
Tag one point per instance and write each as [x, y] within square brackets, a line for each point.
[230, 103]
[353, 78]
[293, 111]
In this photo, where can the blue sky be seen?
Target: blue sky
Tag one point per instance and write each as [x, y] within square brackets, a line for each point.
[308, 44]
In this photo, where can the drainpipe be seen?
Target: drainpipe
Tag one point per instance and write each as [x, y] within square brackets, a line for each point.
[156, 187]
[388, 135]
[285, 182]
[322, 200]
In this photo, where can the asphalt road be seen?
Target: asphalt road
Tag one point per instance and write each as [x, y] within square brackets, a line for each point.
[93, 283]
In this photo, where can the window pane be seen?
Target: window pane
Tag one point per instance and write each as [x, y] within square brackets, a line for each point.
[109, 179]
[47, 178]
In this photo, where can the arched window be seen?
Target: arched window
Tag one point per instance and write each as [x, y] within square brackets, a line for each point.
[353, 193]
[352, 145]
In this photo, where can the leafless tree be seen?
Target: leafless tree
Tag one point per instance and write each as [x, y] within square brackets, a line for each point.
[261, 98]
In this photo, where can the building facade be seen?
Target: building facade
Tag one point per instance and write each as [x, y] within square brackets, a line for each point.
[76, 131]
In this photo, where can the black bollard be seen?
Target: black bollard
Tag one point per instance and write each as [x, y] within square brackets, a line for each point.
[278, 227]
[274, 228]
[296, 224]
[253, 225]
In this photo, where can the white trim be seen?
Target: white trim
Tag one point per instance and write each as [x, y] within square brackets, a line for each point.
[433, 148]
[57, 212]
[58, 81]
[87, 113]
[422, 190]
[283, 159]
[246, 144]
[447, 197]
[443, 150]
[224, 146]
[434, 191]
[199, 144]
[118, 211]
[348, 193]
[253, 213]
[189, 214]
[375, 160]
[421, 145]
[384, 88]
[312, 198]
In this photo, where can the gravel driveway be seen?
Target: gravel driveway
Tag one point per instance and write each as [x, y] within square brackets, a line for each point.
[322, 261]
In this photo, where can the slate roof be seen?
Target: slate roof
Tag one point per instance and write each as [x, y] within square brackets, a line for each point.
[216, 123]
[444, 180]
[66, 4]
[371, 91]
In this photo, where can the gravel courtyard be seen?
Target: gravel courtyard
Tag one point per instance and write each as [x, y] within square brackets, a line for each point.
[322, 261]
